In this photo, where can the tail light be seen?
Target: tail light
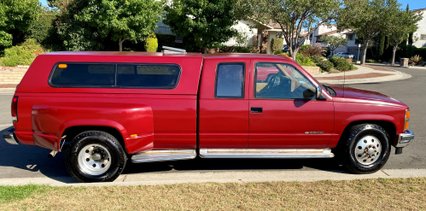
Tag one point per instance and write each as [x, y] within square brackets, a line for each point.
[407, 120]
[15, 108]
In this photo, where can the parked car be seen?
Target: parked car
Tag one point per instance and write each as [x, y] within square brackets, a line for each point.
[344, 55]
[102, 110]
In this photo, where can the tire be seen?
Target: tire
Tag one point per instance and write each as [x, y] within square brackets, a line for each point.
[95, 156]
[365, 149]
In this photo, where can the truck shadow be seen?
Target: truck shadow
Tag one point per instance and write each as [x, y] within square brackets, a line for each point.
[236, 164]
[21, 161]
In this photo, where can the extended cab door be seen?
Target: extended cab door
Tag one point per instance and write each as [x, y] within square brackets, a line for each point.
[284, 112]
[223, 103]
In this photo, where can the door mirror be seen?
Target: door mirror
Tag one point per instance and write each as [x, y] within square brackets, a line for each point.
[308, 94]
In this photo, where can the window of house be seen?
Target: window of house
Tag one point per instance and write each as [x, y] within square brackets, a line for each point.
[423, 37]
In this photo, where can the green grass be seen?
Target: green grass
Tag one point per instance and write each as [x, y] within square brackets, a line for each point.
[13, 193]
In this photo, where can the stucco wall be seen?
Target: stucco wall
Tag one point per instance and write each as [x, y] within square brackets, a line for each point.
[417, 36]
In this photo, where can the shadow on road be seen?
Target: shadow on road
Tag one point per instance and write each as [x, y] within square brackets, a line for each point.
[18, 161]
[235, 164]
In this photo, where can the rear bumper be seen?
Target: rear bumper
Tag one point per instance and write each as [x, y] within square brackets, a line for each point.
[8, 135]
[405, 139]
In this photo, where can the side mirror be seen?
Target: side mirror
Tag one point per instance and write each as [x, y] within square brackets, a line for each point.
[308, 94]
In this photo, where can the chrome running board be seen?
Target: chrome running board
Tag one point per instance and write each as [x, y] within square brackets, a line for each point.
[163, 155]
[266, 153]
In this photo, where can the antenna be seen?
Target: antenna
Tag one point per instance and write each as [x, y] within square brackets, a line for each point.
[171, 50]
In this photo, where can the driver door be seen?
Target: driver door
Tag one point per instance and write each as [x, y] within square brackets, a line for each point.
[283, 111]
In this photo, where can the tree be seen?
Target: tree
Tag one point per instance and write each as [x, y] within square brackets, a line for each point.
[400, 25]
[365, 18]
[86, 22]
[333, 42]
[5, 38]
[202, 24]
[297, 18]
[39, 30]
[60, 5]
[20, 16]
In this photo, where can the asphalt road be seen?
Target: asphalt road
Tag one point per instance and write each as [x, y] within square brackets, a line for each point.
[28, 161]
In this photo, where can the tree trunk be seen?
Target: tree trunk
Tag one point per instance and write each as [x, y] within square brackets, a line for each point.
[120, 45]
[394, 54]
[364, 53]
[294, 54]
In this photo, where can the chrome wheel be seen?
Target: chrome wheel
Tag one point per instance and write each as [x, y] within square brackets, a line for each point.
[94, 159]
[368, 150]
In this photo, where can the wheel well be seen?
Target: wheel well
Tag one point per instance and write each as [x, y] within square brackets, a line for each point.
[389, 127]
[73, 131]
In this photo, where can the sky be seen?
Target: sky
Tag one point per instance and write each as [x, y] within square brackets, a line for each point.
[414, 4]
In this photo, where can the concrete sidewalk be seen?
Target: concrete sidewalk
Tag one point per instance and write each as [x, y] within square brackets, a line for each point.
[363, 74]
[228, 176]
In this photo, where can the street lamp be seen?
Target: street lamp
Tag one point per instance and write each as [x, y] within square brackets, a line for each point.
[357, 60]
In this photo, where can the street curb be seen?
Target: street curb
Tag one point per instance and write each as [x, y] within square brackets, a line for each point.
[395, 75]
[186, 177]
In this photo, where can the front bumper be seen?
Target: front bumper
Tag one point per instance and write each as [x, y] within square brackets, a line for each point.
[8, 135]
[405, 139]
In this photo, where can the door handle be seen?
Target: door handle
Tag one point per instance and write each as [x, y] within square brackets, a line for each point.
[256, 109]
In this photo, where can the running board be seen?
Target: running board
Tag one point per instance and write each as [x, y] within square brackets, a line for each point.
[266, 153]
[163, 155]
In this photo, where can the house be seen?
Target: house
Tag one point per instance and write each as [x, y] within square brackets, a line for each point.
[350, 47]
[419, 37]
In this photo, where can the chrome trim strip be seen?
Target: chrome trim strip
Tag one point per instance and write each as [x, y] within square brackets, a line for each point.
[266, 153]
[405, 139]
[163, 155]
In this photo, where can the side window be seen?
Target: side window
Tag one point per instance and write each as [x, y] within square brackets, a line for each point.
[83, 75]
[230, 80]
[155, 76]
[281, 81]
[147, 76]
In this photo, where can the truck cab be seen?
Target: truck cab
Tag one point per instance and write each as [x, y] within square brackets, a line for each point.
[105, 109]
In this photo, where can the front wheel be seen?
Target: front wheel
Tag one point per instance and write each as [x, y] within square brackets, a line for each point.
[95, 156]
[366, 149]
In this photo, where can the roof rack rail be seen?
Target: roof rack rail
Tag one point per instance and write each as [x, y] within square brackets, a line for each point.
[171, 50]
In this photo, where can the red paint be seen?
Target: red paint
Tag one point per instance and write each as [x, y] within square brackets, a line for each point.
[167, 118]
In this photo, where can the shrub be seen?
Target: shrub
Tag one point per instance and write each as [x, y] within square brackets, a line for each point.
[312, 50]
[151, 43]
[341, 64]
[304, 60]
[415, 60]
[23, 54]
[323, 63]
[235, 49]
[277, 44]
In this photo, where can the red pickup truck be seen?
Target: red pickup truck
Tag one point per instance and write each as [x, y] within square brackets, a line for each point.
[105, 109]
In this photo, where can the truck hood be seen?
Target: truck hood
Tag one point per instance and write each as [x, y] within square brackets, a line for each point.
[352, 93]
